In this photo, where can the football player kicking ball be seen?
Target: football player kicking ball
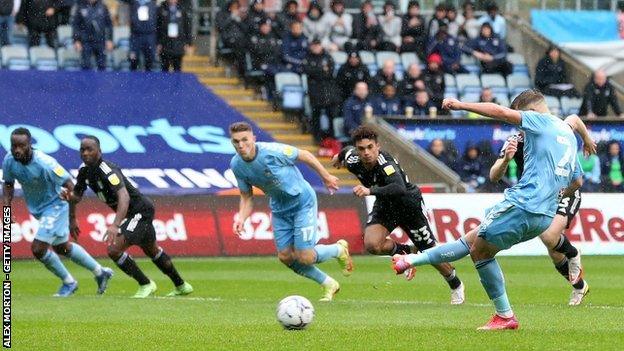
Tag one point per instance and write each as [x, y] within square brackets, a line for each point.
[398, 203]
[133, 218]
[271, 167]
[565, 256]
[529, 206]
[42, 180]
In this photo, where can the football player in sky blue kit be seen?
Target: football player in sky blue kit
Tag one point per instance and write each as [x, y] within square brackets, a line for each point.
[42, 178]
[271, 167]
[550, 166]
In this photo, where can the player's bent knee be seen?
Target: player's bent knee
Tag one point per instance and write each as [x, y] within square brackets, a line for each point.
[62, 249]
[306, 257]
[38, 249]
[286, 257]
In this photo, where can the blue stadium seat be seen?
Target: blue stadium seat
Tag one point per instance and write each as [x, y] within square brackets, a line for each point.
[64, 34]
[570, 106]
[121, 36]
[43, 58]
[15, 57]
[468, 81]
[473, 69]
[407, 58]
[68, 59]
[517, 81]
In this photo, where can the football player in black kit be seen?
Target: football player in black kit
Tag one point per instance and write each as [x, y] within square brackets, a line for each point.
[133, 220]
[398, 203]
[565, 256]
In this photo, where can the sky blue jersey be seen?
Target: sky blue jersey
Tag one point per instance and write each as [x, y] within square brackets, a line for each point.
[550, 163]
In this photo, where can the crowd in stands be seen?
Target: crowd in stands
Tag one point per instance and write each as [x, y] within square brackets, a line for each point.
[81, 32]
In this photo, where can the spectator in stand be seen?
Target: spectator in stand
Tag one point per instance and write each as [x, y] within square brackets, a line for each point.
[174, 34]
[471, 27]
[437, 21]
[390, 27]
[387, 104]
[471, 168]
[295, 48]
[413, 35]
[366, 29]
[8, 11]
[550, 75]
[63, 11]
[313, 27]
[496, 21]
[422, 104]
[591, 172]
[455, 21]
[434, 79]
[339, 25]
[598, 95]
[255, 16]
[142, 32]
[93, 33]
[265, 50]
[384, 77]
[449, 49]
[233, 32]
[438, 150]
[352, 72]
[319, 67]
[39, 18]
[612, 168]
[355, 107]
[486, 96]
[413, 80]
[491, 52]
[285, 18]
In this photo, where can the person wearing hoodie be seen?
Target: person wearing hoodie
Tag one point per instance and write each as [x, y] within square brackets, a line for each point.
[385, 76]
[319, 67]
[491, 51]
[255, 17]
[413, 34]
[295, 48]
[366, 29]
[388, 103]
[438, 150]
[354, 107]
[391, 28]
[550, 75]
[313, 27]
[339, 25]
[434, 79]
[449, 49]
[471, 168]
[612, 162]
[284, 19]
[349, 74]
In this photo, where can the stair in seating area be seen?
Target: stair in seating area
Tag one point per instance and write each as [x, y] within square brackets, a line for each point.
[221, 81]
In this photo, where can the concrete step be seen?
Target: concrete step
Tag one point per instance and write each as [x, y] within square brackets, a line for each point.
[266, 116]
[196, 58]
[219, 82]
[295, 139]
[279, 127]
[235, 93]
[249, 105]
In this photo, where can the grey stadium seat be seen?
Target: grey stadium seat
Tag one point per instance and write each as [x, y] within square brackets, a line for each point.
[43, 58]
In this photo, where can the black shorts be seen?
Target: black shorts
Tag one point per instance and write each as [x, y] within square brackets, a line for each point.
[139, 229]
[410, 216]
[569, 206]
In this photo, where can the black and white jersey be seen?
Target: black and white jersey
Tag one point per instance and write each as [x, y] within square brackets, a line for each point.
[105, 179]
[519, 156]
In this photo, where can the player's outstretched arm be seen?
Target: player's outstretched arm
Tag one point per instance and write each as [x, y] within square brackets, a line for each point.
[500, 166]
[487, 109]
[331, 182]
[589, 146]
[244, 211]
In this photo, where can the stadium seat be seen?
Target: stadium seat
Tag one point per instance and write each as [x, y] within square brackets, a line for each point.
[68, 59]
[449, 80]
[43, 58]
[515, 81]
[290, 91]
[340, 57]
[467, 60]
[502, 99]
[523, 69]
[383, 56]
[252, 75]
[490, 80]
[570, 106]
[473, 69]
[121, 36]
[516, 59]
[65, 35]
[553, 104]
[120, 59]
[467, 81]
[286, 78]
[450, 94]
[368, 58]
[470, 97]
[15, 57]
[451, 90]
[407, 58]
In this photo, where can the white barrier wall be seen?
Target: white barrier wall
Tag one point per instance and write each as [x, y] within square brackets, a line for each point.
[598, 228]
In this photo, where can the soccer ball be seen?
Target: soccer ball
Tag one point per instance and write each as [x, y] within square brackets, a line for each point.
[295, 312]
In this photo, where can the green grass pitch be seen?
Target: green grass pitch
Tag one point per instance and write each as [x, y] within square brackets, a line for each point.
[233, 308]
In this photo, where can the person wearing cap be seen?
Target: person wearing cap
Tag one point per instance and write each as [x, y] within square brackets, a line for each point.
[255, 16]
[498, 23]
[413, 80]
[174, 34]
[413, 35]
[437, 21]
[265, 52]
[388, 103]
[313, 27]
[366, 29]
[385, 76]
[286, 17]
[491, 51]
[340, 26]
[354, 107]
[391, 28]
[294, 48]
[349, 74]
[319, 67]
[449, 49]
[434, 79]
